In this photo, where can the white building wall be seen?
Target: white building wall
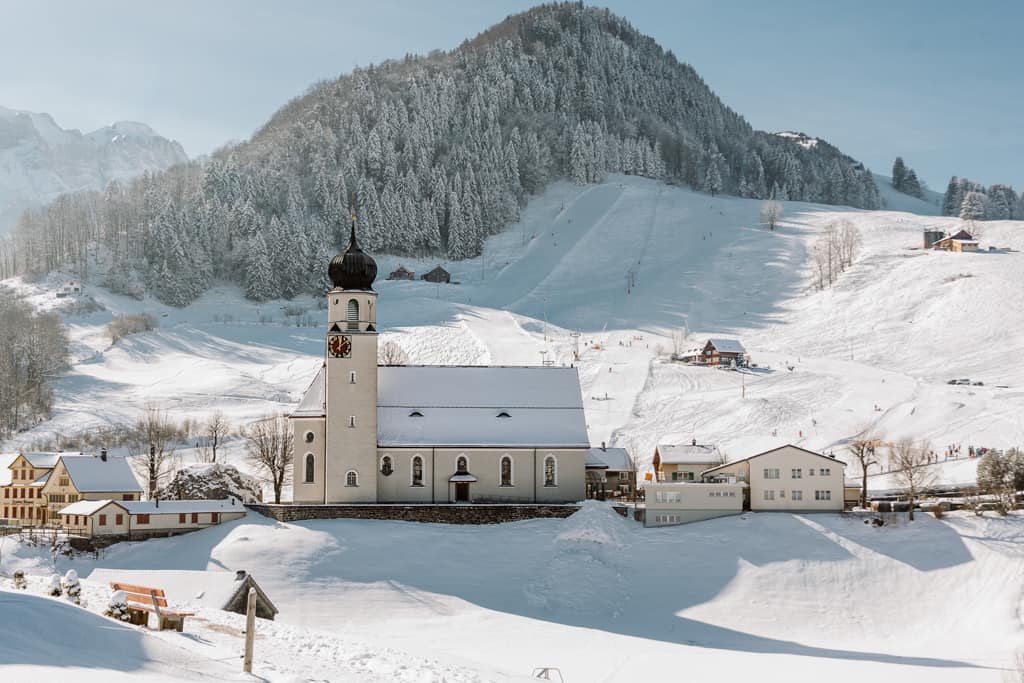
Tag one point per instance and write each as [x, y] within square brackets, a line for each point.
[798, 471]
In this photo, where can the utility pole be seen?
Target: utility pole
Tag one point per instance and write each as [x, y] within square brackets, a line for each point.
[250, 630]
[575, 334]
[545, 318]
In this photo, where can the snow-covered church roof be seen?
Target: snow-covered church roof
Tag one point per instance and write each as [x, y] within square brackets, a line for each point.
[524, 407]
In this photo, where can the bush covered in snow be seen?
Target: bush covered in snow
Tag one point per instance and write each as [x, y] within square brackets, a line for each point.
[72, 586]
[117, 607]
[19, 580]
[54, 588]
[126, 324]
[212, 481]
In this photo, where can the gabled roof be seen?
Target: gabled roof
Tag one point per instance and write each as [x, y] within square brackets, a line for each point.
[773, 450]
[459, 406]
[727, 345]
[89, 507]
[614, 459]
[91, 474]
[167, 507]
[689, 454]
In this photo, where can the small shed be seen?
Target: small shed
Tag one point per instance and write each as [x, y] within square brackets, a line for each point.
[224, 590]
[960, 241]
[931, 237]
[401, 273]
[438, 275]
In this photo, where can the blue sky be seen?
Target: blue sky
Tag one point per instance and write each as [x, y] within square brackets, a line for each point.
[937, 82]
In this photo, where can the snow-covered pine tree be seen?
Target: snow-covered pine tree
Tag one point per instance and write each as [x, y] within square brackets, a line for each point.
[713, 177]
[973, 207]
[260, 283]
[117, 606]
[899, 173]
[72, 586]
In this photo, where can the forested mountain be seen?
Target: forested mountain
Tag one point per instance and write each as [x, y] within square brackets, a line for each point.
[433, 154]
[39, 160]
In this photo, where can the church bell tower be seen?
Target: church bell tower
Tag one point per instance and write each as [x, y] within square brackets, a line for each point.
[351, 391]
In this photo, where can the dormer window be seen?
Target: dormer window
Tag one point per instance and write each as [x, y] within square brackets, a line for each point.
[415, 413]
[503, 414]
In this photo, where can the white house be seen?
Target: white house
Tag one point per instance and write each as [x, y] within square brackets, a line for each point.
[788, 478]
[429, 434]
[681, 502]
[142, 519]
[684, 462]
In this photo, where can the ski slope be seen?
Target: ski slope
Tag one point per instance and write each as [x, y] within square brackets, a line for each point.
[597, 596]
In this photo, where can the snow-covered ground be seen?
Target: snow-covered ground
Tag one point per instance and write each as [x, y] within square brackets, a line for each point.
[814, 597]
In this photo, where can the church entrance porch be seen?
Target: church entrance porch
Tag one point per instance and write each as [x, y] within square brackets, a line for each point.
[462, 492]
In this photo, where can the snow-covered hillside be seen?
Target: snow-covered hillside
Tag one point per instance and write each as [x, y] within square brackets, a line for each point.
[874, 351]
[39, 160]
[819, 597]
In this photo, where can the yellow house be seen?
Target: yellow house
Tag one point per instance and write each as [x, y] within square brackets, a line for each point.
[786, 479]
[87, 477]
[21, 483]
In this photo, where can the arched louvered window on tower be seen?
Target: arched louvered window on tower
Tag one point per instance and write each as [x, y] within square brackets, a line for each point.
[353, 314]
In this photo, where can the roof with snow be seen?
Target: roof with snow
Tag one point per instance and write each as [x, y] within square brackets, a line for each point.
[727, 345]
[91, 473]
[614, 459]
[166, 507]
[688, 454]
[789, 445]
[471, 406]
[88, 507]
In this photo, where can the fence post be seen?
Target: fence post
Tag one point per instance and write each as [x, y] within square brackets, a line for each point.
[250, 630]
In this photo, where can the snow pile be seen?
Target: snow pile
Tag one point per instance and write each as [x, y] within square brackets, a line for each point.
[212, 481]
[117, 607]
[72, 586]
[595, 522]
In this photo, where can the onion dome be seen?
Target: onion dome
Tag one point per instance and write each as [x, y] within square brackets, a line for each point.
[353, 268]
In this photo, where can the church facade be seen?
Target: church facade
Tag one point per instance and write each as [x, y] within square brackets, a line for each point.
[365, 433]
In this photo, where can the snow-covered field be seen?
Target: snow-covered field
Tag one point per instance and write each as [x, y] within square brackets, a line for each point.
[815, 597]
[599, 597]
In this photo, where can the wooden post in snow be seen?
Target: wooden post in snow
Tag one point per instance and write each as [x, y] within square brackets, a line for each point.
[250, 630]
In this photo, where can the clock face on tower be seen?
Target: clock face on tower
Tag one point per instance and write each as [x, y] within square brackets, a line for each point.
[339, 346]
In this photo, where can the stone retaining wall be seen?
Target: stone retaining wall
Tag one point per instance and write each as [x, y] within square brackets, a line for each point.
[438, 514]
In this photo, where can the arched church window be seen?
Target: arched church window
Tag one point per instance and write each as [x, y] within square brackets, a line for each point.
[506, 471]
[550, 471]
[353, 314]
[417, 471]
[310, 463]
[386, 468]
[351, 478]
[462, 465]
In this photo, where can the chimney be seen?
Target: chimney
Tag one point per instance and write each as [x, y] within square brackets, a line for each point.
[103, 454]
[694, 442]
[232, 501]
[240, 574]
[603, 448]
[158, 502]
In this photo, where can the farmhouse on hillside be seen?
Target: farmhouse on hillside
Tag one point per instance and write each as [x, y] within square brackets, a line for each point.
[961, 241]
[365, 433]
[716, 352]
[684, 462]
[41, 484]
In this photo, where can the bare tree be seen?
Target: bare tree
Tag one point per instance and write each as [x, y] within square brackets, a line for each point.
[911, 470]
[151, 445]
[269, 449]
[863, 451]
[390, 353]
[771, 212]
[215, 431]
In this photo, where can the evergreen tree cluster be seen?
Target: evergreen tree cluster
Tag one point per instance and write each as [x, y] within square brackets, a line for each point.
[904, 179]
[973, 201]
[432, 154]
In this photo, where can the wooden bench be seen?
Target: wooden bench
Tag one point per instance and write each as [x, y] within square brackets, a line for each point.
[143, 600]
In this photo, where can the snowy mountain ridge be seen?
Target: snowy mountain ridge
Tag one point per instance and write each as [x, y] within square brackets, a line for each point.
[39, 160]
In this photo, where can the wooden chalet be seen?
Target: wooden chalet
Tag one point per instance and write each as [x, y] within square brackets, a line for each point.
[437, 275]
[961, 241]
[723, 352]
[401, 273]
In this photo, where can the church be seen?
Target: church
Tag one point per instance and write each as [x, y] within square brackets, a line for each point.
[365, 433]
